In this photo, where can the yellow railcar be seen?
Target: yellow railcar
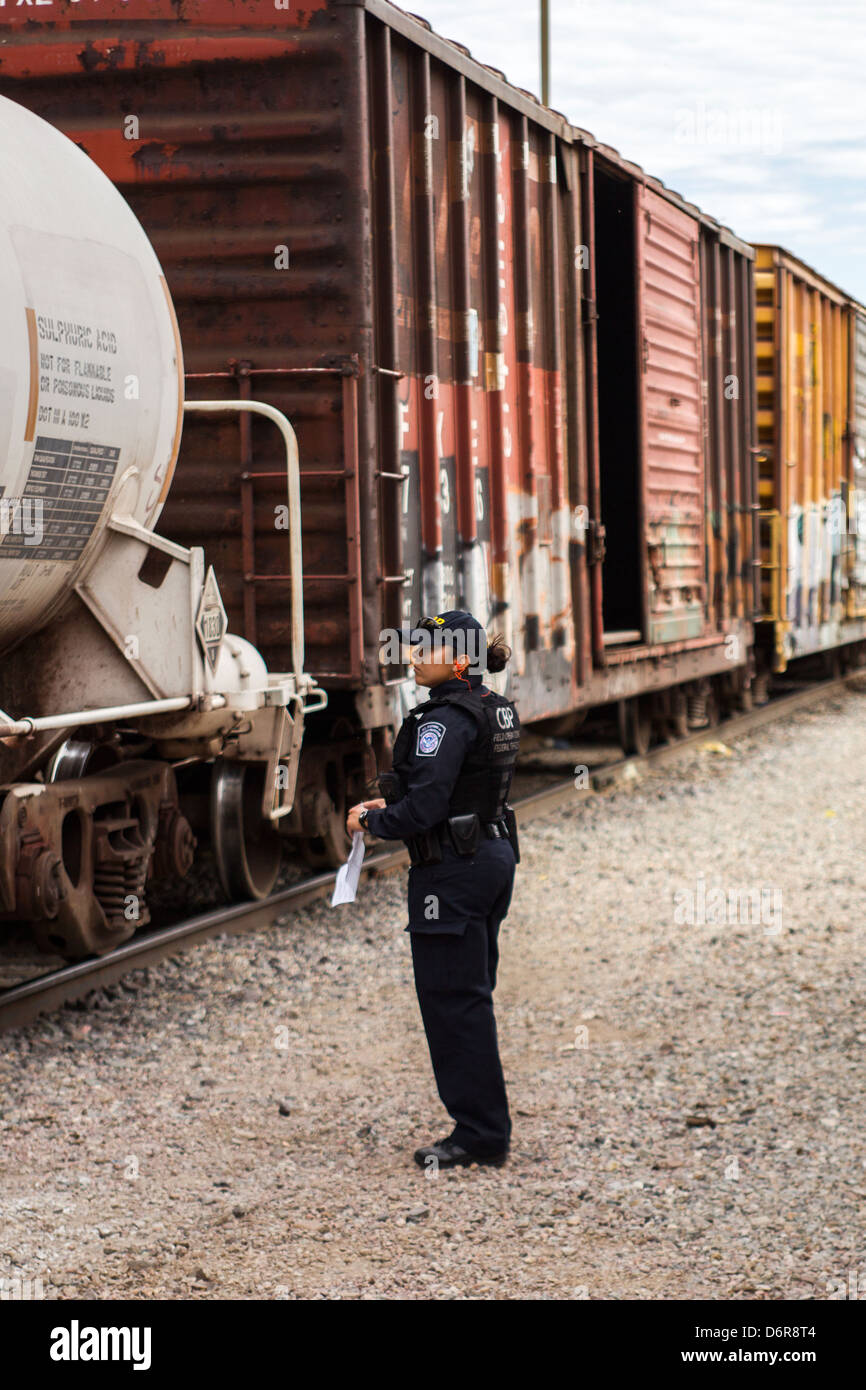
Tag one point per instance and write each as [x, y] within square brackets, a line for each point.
[812, 504]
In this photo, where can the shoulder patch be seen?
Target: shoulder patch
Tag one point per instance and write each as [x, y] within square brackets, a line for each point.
[430, 735]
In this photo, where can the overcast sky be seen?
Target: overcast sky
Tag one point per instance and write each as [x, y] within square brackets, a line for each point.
[753, 109]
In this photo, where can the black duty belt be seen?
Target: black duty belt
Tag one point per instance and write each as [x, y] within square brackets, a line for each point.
[461, 833]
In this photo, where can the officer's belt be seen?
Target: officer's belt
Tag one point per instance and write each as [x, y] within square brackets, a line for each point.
[461, 833]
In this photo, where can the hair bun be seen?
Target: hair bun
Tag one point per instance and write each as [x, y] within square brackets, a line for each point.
[498, 653]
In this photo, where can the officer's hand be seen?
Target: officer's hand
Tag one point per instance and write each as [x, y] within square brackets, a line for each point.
[378, 805]
[352, 822]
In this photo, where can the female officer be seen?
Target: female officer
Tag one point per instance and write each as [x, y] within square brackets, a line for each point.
[446, 797]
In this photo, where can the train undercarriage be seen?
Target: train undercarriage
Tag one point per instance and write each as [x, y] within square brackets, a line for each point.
[108, 818]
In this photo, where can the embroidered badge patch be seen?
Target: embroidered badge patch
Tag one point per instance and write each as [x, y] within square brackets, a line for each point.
[429, 738]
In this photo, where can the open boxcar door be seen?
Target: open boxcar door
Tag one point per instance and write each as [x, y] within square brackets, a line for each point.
[650, 417]
[671, 421]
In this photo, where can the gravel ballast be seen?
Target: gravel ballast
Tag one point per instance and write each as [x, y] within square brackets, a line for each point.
[682, 1024]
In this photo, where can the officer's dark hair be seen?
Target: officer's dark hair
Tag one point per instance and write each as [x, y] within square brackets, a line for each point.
[498, 653]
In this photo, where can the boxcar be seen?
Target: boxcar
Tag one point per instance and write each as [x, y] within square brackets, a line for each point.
[811, 389]
[519, 368]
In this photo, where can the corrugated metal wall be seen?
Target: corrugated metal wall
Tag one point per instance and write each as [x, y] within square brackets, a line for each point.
[860, 382]
[480, 218]
[857, 505]
[731, 529]
[670, 308]
[804, 374]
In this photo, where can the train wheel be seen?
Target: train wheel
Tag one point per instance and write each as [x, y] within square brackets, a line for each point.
[78, 758]
[331, 845]
[246, 846]
[333, 777]
[634, 718]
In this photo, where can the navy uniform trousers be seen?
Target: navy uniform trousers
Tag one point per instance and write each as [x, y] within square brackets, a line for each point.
[455, 911]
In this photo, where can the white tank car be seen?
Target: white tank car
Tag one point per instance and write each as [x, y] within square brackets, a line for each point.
[91, 371]
[115, 661]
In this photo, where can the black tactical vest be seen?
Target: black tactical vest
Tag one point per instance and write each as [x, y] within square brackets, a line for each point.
[485, 777]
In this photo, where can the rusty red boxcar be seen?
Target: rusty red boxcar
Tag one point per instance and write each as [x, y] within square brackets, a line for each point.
[519, 368]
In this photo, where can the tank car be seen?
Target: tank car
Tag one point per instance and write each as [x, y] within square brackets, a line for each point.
[117, 670]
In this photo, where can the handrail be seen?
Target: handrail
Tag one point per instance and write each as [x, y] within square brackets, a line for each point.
[293, 473]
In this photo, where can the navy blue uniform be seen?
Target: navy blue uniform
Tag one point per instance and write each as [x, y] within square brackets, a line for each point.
[455, 910]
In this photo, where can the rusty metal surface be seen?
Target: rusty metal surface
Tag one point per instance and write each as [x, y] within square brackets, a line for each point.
[808, 488]
[673, 419]
[430, 338]
[74, 851]
[479, 217]
[860, 384]
[728, 324]
[857, 504]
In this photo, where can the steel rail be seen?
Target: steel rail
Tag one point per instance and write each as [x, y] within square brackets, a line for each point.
[24, 1001]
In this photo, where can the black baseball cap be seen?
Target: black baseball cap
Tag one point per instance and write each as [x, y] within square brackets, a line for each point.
[455, 620]
[459, 629]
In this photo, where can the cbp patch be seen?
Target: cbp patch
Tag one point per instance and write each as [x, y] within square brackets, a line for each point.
[430, 736]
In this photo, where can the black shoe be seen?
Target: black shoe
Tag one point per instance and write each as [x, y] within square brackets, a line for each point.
[447, 1154]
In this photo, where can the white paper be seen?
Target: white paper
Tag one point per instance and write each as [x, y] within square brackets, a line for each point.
[349, 873]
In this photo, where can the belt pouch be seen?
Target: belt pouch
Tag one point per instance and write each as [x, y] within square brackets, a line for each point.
[464, 832]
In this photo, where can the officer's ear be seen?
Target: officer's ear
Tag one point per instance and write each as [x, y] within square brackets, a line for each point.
[460, 664]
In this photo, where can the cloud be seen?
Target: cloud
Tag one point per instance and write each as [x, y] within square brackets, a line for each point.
[754, 109]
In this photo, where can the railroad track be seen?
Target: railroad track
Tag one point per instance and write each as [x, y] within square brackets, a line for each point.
[44, 993]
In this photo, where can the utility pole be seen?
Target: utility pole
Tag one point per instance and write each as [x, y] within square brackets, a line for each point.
[545, 52]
